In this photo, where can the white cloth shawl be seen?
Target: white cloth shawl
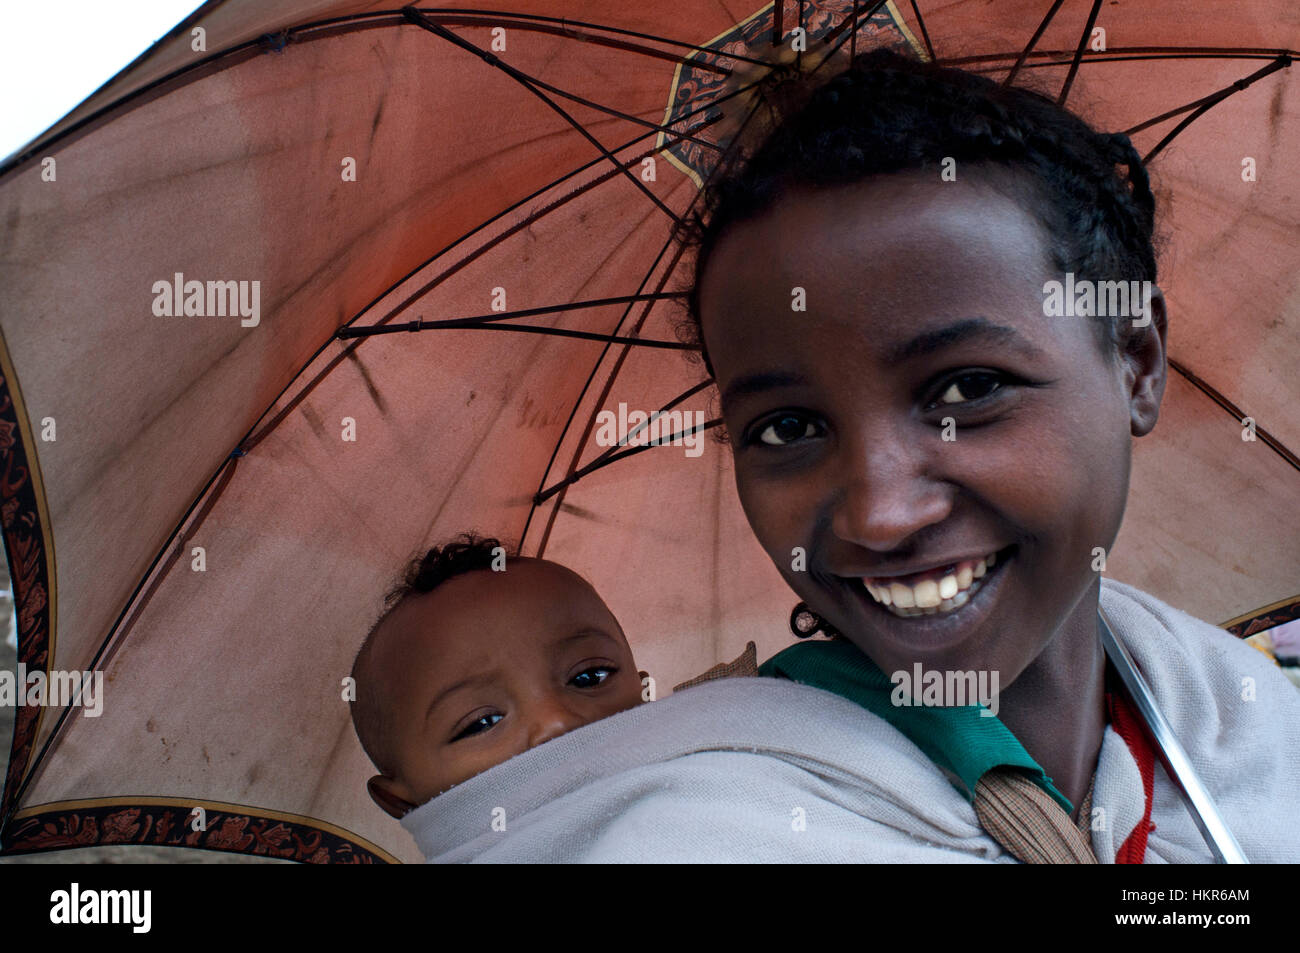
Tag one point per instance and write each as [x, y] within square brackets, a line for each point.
[746, 770]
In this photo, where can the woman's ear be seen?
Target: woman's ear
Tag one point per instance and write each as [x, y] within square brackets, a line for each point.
[384, 792]
[1146, 366]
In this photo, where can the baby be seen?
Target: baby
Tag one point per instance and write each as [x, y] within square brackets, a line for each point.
[474, 662]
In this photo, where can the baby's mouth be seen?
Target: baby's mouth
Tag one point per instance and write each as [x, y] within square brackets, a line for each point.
[935, 591]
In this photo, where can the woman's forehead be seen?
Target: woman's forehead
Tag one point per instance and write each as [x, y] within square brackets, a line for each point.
[909, 216]
[894, 256]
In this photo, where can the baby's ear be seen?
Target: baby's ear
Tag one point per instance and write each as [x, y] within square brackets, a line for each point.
[383, 792]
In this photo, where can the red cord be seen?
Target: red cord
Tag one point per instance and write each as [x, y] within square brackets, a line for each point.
[1128, 725]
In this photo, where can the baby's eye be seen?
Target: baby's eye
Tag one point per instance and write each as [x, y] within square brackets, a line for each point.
[479, 725]
[592, 677]
[786, 429]
[970, 387]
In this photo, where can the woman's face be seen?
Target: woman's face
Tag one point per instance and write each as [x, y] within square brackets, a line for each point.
[924, 320]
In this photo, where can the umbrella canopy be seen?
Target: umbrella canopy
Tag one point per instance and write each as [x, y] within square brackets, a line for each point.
[209, 488]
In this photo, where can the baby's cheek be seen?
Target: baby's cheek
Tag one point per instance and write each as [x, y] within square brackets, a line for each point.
[631, 694]
[461, 767]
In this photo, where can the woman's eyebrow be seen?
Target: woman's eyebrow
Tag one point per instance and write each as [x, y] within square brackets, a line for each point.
[966, 331]
[756, 383]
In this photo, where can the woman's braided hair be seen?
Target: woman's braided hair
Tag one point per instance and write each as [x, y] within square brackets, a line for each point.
[890, 113]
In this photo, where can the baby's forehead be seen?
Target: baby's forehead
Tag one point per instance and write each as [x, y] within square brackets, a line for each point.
[460, 604]
[520, 578]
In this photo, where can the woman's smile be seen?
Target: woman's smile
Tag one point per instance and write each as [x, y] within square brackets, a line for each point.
[938, 591]
[913, 611]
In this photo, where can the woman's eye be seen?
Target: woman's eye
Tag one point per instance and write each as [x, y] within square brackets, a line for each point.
[970, 387]
[479, 725]
[786, 430]
[592, 677]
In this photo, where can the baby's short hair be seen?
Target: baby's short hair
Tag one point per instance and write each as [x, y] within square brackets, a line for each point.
[467, 552]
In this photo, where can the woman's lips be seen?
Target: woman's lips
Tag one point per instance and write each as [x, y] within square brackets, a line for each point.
[934, 592]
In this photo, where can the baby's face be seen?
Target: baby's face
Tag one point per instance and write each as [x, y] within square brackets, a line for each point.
[491, 664]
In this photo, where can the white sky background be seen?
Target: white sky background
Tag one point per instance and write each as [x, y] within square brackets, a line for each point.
[55, 53]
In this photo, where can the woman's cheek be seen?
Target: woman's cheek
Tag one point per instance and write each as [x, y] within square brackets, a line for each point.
[776, 509]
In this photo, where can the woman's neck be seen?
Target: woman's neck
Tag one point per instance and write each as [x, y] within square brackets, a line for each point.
[1056, 708]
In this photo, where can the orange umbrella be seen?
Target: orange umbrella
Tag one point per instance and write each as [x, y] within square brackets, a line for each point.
[218, 457]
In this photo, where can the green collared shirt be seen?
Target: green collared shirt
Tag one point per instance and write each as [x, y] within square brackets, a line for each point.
[959, 739]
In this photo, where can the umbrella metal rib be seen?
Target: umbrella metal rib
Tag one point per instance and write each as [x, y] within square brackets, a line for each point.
[608, 385]
[925, 34]
[567, 24]
[484, 319]
[849, 23]
[1282, 62]
[684, 395]
[461, 324]
[1237, 414]
[613, 452]
[610, 110]
[605, 461]
[1078, 53]
[1121, 54]
[420, 20]
[851, 37]
[1033, 41]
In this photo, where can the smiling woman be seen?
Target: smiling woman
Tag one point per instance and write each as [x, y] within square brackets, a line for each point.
[951, 458]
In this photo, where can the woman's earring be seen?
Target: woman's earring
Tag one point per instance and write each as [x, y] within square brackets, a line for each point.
[805, 623]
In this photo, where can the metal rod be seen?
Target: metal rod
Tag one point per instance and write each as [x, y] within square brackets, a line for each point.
[1078, 53]
[1033, 41]
[925, 34]
[1177, 765]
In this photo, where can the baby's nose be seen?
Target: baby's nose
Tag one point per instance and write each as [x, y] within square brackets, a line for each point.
[551, 719]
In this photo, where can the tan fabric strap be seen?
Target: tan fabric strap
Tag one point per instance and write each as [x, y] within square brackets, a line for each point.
[743, 665]
[1028, 823]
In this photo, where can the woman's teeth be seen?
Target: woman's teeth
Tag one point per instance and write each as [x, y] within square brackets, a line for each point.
[946, 593]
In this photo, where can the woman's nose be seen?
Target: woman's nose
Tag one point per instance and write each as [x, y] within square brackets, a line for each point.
[885, 495]
[550, 718]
